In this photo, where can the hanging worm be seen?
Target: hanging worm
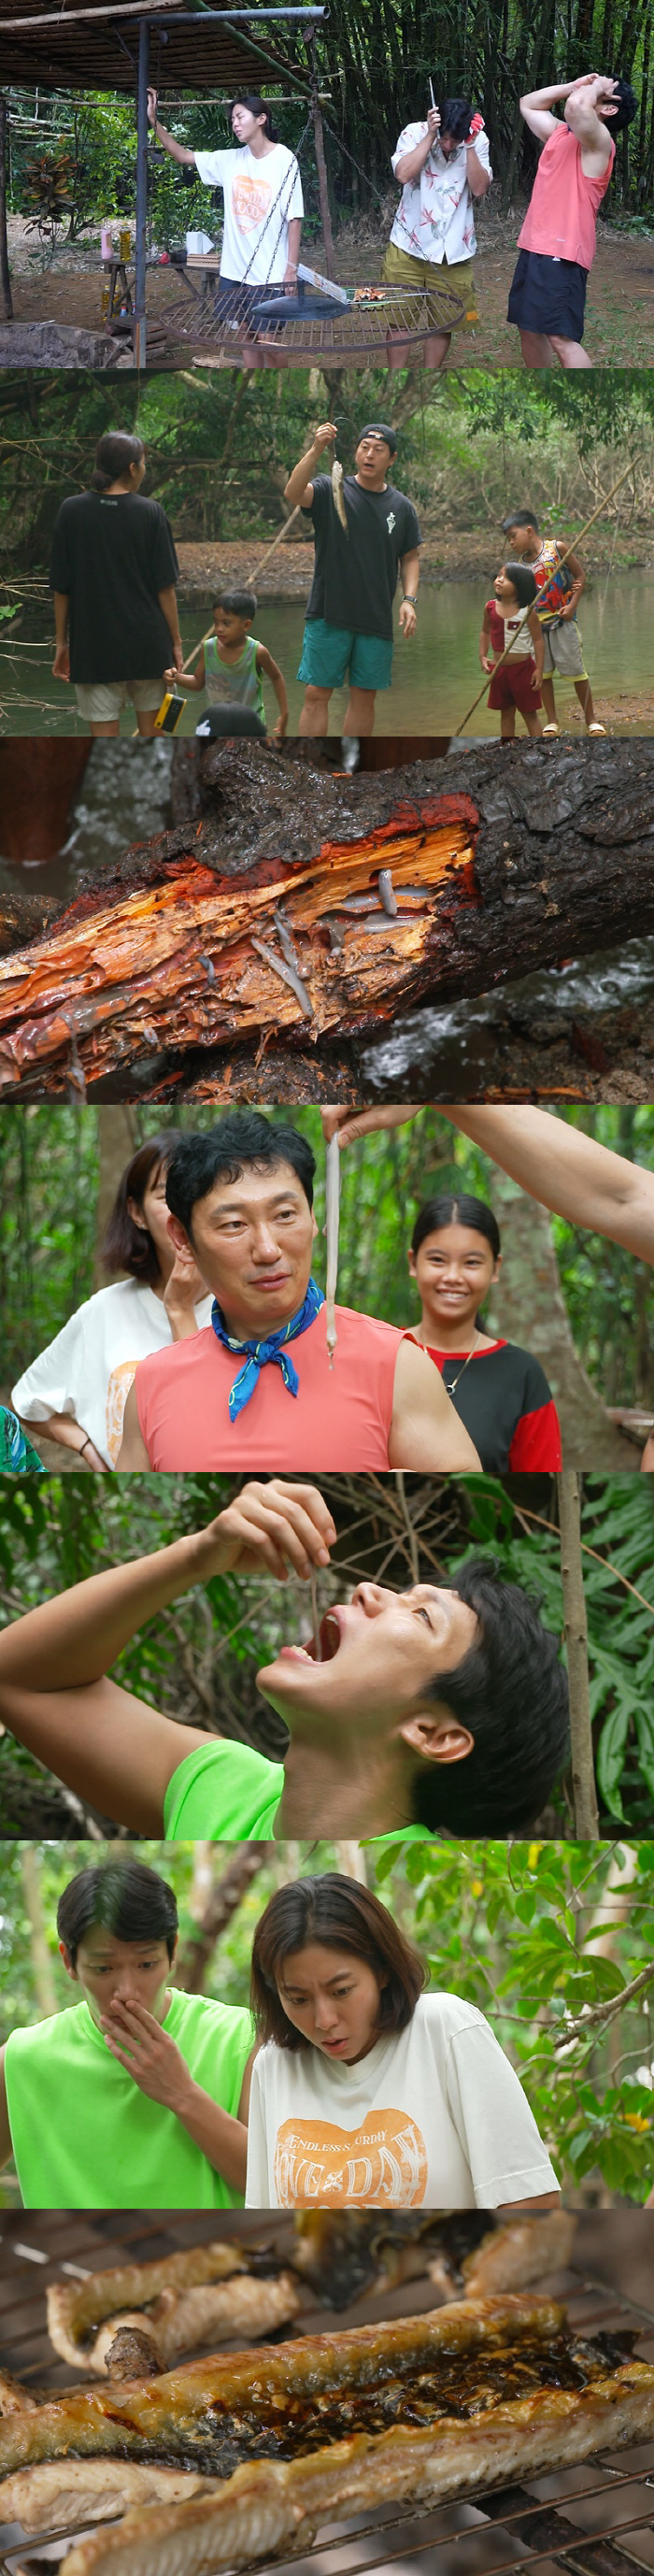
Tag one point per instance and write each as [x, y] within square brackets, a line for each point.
[209, 969]
[288, 975]
[337, 489]
[76, 1074]
[387, 897]
[285, 941]
[332, 1197]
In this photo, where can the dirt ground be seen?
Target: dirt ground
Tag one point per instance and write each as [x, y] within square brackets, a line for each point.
[620, 311]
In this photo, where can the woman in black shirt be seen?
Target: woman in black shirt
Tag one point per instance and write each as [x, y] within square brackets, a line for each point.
[113, 572]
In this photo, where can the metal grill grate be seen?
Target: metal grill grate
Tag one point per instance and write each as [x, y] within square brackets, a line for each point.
[353, 338]
[593, 2520]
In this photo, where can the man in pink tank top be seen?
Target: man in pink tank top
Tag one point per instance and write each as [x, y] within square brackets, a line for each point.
[256, 1389]
[558, 239]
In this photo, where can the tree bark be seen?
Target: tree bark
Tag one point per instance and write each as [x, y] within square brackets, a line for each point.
[528, 1306]
[41, 1960]
[507, 866]
[576, 1634]
[226, 1896]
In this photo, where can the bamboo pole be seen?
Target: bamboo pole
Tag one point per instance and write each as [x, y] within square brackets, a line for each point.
[576, 541]
[576, 1633]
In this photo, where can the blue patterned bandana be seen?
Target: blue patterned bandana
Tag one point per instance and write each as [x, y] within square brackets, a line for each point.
[258, 1353]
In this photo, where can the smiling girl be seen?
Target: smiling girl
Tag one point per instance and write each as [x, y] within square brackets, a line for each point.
[500, 1391]
[367, 2091]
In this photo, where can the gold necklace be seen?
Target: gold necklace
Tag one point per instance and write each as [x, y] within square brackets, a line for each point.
[470, 1355]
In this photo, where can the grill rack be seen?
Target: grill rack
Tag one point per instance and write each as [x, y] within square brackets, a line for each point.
[538, 2518]
[347, 338]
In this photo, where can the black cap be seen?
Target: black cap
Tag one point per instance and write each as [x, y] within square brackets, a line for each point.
[379, 429]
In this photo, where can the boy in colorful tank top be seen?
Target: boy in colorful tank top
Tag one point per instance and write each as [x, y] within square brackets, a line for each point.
[510, 619]
[556, 245]
[232, 663]
[559, 585]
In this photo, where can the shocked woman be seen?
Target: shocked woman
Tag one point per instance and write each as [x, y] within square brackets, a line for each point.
[500, 1391]
[366, 2090]
[77, 1389]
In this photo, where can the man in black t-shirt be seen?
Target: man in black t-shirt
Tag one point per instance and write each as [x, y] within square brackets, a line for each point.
[349, 621]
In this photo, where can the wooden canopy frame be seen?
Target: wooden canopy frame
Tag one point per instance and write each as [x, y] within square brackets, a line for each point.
[107, 44]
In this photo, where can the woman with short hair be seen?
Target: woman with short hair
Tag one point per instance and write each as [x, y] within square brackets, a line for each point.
[77, 1389]
[367, 2091]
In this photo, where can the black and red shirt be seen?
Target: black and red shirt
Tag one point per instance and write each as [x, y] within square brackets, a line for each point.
[506, 1404]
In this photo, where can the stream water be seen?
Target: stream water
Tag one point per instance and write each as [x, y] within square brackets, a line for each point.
[435, 678]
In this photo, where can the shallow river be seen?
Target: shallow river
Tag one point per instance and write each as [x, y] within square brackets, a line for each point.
[435, 678]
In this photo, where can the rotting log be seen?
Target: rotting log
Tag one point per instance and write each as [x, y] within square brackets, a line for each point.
[502, 862]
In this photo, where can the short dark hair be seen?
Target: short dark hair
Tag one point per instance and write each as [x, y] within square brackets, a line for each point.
[242, 1141]
[113, 456]
[126, 1246]
[456, 1208]
[519, 519]
[338, 1911]
[123, 1896]
[239, 603]
[627, 105]
[258, 107]
[525, 587]
[379, 429]
[511, 1690]
[456, 118]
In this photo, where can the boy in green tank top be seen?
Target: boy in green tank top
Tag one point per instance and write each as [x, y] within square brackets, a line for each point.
[232, 663]
[137, 2097]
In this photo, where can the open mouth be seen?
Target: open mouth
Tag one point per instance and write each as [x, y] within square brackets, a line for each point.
[330, 1637]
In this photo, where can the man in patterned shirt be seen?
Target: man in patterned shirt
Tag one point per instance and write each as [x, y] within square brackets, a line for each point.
[441, 164]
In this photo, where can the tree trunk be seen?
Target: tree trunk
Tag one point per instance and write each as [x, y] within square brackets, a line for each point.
[499, 868]
[576, 1634]
[116, 1145]
[6, 304]
[528, 1306]
[41, 1960]
[223, 1901]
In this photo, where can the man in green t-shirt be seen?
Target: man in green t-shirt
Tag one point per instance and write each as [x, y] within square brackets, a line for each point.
[137, 2098]
[442, 1708]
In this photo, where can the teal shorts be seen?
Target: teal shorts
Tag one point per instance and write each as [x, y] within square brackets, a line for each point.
[330, 653]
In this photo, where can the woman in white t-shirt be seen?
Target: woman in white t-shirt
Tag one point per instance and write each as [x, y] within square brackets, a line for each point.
[366, 2092]
[77, 1389]
[262, 198]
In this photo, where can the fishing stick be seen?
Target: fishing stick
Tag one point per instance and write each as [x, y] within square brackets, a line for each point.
[576, 541]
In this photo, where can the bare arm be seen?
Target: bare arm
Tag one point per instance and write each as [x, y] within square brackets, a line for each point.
[557, 1164]
[536, 108]
[536, 633]
[70, 1435]
[425, 1429]
[168, 603]
[478, 178]
[151, 2056]
[413, 162]
[189, 679]
[485, 652]
[178, 151]
[132, 1452]
[107, 1745]
[294, 231]
[542, 2200]
[589, 128]
[299, 488]
[61, 664]
[272, 673]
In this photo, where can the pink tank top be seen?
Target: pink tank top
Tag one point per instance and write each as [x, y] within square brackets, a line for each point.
[561, 218]
[341, 1417]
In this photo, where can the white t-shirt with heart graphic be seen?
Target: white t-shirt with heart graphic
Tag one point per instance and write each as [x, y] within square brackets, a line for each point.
[262, 193]
[434, 2115]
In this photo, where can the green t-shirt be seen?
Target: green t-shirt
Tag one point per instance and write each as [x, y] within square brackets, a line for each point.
[83, 2135]
[226, 1793]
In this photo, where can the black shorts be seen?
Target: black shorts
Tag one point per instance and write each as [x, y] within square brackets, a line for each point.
[234, 302]
[548, 295]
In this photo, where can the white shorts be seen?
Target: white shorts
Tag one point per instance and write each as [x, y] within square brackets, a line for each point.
[101, 701]
[564, 651]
